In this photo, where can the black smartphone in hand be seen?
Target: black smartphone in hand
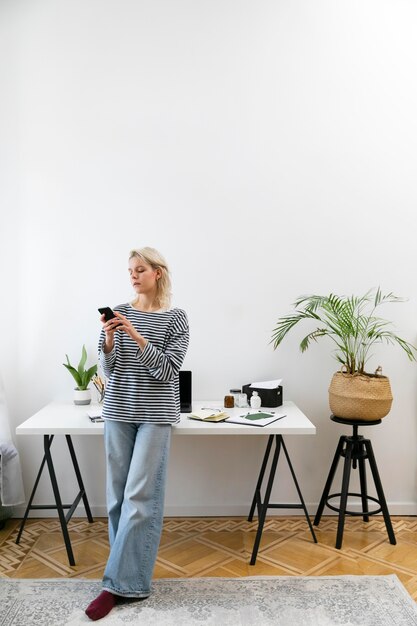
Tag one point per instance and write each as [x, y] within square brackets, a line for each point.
[107, 312]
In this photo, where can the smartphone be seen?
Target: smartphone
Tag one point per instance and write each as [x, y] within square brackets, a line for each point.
[108, 313]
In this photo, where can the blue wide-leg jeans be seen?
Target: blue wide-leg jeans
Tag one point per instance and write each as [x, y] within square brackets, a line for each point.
[136, 456]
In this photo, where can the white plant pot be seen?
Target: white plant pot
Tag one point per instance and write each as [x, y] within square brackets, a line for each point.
[82, 396]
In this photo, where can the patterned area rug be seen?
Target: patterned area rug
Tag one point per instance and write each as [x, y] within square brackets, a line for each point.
[280, 600]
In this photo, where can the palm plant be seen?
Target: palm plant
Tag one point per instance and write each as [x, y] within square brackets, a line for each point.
[81, 376]
[349, 322]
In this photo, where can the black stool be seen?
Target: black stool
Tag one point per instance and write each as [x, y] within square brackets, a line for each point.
[356, 449]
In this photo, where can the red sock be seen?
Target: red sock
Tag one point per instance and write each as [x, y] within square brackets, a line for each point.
[102, 605]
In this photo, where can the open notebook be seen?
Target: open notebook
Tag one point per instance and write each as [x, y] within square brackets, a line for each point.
[208, 415]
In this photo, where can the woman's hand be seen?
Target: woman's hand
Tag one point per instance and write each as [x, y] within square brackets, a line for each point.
[121, 323]
[109, 328]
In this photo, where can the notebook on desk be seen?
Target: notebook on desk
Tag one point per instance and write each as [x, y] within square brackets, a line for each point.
[209, 415]
[95, 414]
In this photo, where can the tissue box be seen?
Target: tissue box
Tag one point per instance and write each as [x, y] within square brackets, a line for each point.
[269, 397]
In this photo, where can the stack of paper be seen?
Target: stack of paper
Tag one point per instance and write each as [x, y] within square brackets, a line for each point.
[267, 384]
[209, 415]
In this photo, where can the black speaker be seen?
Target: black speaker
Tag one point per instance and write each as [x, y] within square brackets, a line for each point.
[185, 391]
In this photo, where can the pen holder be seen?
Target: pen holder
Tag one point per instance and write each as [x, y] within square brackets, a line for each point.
[99, 384]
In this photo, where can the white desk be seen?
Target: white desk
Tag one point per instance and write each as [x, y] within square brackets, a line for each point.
[68, 419]
[58, 418]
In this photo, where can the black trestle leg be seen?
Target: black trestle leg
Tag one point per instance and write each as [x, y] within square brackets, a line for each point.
[32, 495]
[256, 495]
[58, 506]
[299, 491]
[58, 501]
[264, 505]
[79, 478]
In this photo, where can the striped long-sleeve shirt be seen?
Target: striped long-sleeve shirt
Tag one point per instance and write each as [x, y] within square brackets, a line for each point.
[143, 386]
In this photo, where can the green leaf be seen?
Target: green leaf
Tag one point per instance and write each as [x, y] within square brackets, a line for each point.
[320, 332]
[82, 361]
[74, 373]
[81, 376]
[90, 373]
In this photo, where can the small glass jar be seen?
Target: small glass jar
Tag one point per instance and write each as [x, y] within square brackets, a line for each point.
[235, 393]
[229, 402]
[242, 400]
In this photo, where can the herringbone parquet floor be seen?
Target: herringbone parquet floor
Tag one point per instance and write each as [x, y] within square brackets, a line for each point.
[194, 547]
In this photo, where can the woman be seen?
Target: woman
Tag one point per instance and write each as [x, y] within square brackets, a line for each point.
[141, 351]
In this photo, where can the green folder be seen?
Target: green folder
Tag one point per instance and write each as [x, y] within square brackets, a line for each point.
[257, 416]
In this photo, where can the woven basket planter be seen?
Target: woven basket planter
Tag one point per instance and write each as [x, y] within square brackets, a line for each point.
[360, 396]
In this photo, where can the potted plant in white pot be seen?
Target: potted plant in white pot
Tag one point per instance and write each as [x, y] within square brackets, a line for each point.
[82, 376]
[350, 322]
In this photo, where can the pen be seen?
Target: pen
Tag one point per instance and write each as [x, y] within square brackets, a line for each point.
[98, 382]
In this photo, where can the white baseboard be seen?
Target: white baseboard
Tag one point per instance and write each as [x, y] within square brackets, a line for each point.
[395, 508]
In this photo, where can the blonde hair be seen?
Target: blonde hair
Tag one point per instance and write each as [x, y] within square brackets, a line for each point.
[163, 285]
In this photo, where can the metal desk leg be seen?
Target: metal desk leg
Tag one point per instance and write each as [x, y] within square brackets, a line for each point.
[57, 496]
[32, 495]
[256, 495]
[80, 481]
[303, 506]
[262, 507]
[64, 519]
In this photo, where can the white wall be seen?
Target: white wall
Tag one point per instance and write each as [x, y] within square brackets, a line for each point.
[268, 149]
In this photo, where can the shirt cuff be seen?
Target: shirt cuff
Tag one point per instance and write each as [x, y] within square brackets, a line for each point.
[107, 356]
[147, 355]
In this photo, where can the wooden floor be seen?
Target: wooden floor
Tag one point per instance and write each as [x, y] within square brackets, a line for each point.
[193, 547]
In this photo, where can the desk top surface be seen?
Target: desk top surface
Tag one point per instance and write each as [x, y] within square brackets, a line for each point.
[59, 418]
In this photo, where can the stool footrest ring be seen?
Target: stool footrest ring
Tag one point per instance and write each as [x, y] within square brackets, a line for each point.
[357, 513]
